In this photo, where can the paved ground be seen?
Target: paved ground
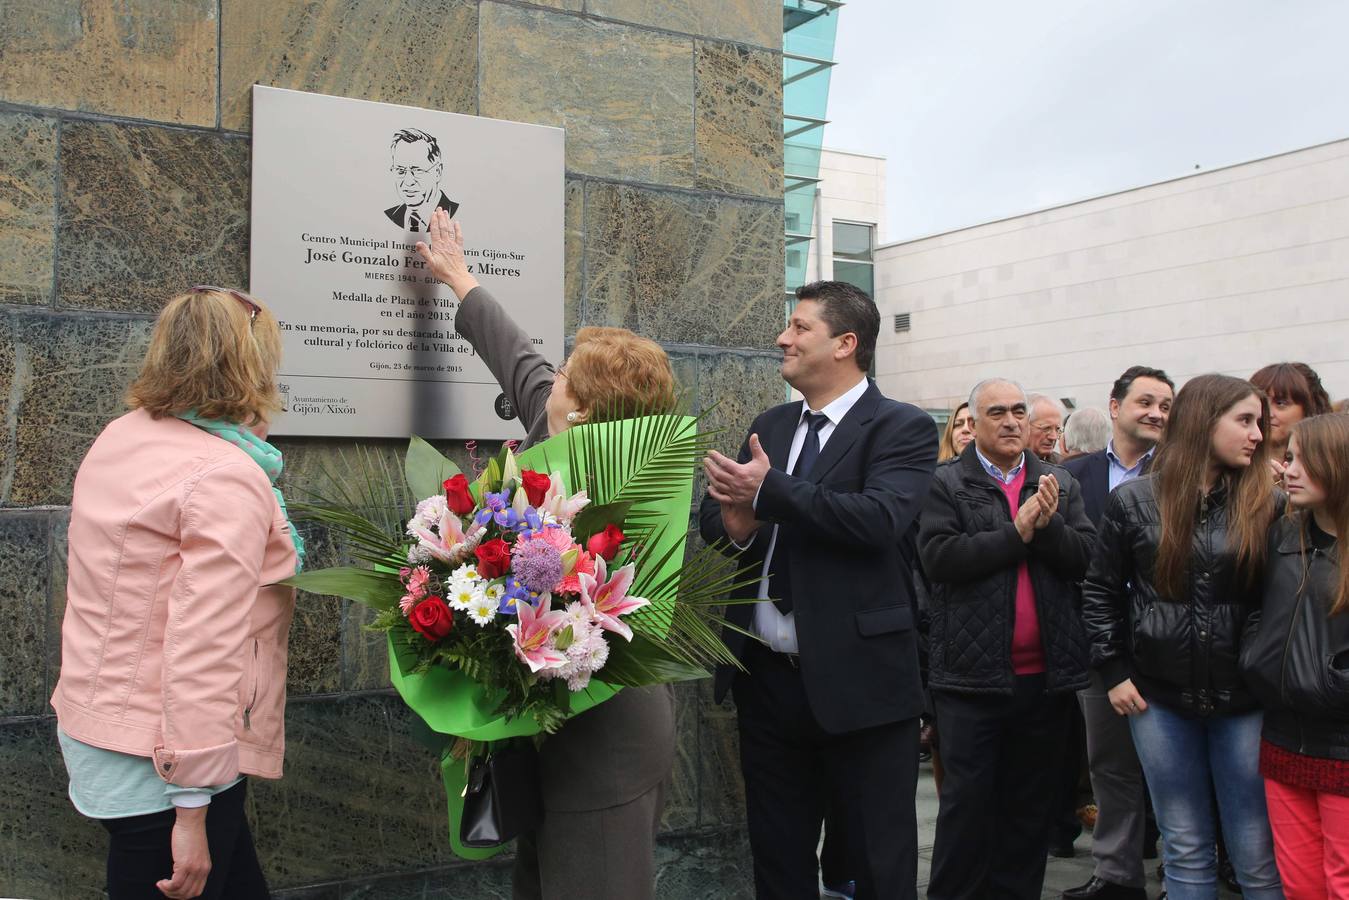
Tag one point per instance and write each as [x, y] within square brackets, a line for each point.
[1060, 873]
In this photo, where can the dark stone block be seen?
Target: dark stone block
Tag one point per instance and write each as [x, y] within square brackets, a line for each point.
[625, 95]
[27, 207]
[66, 376]
[360, 796]
[681, 795]
[702, 864]
[721, 788]
[149, 59]
[684, 269]
[415, 52]
[148, 212]
[739, 119]
[741, 386]
[24, 589]
[489, 880]
[47, 849]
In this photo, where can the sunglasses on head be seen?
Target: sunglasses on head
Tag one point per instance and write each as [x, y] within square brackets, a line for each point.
[249, 303]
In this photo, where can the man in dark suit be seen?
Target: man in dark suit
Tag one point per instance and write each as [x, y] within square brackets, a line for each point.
[1140, 402]
[417, 167]
[822, 500]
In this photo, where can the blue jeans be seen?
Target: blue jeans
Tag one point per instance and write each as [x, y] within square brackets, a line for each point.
[1186, 762]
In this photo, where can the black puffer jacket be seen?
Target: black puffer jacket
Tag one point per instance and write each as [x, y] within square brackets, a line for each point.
[970, 552]
[1297, 662]
[1180, 651]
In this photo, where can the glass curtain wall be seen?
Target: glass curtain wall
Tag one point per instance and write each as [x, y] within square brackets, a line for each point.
[808, 31]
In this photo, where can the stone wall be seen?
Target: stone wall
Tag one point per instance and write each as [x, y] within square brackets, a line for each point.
[124, 176]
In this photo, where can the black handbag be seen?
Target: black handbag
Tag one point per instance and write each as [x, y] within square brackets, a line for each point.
[502, 798]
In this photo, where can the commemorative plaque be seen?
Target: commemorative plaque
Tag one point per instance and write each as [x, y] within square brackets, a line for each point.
[342, 191]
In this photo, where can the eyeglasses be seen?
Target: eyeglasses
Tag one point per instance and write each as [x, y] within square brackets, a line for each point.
[249, 303]
[1049, 429]
[417, 173]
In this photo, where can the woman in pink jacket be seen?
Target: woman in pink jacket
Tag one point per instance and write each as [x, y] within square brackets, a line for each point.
[173, 648]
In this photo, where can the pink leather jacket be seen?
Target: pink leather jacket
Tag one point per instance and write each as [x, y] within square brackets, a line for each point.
[171, 647]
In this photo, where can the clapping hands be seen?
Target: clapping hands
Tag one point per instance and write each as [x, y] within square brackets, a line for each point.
[1037, 511]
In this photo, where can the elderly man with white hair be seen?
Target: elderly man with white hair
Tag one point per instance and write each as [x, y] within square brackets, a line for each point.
[1045, 418]
[1086, 431]
[1004, 540]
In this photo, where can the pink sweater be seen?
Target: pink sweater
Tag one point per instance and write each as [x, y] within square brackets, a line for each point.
[1028, 655]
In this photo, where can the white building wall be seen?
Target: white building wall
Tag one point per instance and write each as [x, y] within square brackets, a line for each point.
[1223, 271]
[852, 189]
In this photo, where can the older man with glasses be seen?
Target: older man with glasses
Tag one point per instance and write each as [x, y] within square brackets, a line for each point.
[1046, 417]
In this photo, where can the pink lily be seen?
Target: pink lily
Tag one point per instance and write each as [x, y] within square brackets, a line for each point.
[442, 545]
[610, 597]
[557, 504]
[533, 634]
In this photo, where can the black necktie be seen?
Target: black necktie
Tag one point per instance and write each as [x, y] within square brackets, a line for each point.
[779, 585]
[414, 221]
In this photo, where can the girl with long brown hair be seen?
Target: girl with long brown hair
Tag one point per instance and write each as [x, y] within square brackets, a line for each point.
[1295, 393]
[1172, 585]
[1298, 665]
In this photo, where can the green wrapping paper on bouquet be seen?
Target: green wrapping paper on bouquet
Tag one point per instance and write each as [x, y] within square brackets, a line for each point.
[539, 590]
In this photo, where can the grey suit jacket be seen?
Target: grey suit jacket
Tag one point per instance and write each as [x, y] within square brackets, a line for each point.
[619, 750]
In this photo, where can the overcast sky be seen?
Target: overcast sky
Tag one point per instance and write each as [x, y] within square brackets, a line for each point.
[988, 108]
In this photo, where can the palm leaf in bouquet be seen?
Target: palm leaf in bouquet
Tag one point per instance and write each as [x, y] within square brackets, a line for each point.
[603, 507]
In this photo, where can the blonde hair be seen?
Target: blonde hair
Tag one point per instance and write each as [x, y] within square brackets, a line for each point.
[947, 448]
[614, 374]
[206, 354]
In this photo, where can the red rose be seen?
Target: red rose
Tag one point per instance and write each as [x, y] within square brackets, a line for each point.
[494, 558]
[458, 495]
[606, 542]
[536, 485]
[432, 619]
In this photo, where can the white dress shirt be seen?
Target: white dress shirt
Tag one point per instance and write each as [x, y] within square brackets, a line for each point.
[777, 630]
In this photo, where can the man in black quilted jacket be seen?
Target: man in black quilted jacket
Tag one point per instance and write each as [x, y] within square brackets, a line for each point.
[1004, 540]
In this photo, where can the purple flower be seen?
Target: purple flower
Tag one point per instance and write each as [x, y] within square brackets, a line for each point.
[537, 564]
[516, 595]
[529, 523]
[492, 506]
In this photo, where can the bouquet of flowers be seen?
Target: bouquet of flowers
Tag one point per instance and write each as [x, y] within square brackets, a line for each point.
[540, 588]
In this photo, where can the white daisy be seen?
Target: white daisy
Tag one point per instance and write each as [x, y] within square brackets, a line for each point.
[462, 595]
[483, 610]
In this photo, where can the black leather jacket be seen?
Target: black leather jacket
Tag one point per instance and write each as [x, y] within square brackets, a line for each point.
[1180, 651]
[1297, 661]
[971, 552]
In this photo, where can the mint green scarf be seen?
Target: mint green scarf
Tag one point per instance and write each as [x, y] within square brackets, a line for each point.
[262, 453]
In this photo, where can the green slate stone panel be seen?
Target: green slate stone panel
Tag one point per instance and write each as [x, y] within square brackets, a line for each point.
[47, 849]
[681, 791]
[414, 52]
[314, 665]
[748, 21]
[741, 386]
[24, 590]
[147, 59]
[147, 212]
[739, 119]
[683, 268]
[27, 207]
[64, 377]
[721, 787]
[360, 796]
[574, 249]
[624, 95]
